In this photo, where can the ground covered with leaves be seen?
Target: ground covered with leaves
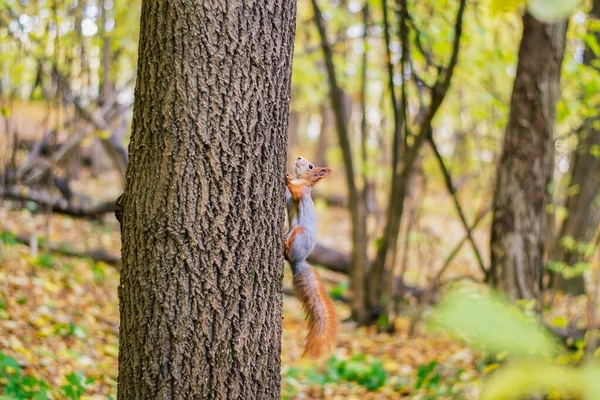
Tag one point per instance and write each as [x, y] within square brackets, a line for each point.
[59, 322]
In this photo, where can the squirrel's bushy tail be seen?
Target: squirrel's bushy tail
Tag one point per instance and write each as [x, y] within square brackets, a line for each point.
[320, 312]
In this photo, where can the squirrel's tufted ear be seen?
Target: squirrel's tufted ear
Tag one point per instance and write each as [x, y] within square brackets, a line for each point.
[319, 173]
[323, 172]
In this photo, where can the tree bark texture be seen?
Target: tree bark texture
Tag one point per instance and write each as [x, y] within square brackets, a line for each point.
[526, 164]
[203, 209]
[583, 208]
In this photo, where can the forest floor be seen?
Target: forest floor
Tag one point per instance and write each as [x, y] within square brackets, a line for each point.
[59, 320]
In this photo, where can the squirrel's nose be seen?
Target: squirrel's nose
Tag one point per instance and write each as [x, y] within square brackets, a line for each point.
[299, 158]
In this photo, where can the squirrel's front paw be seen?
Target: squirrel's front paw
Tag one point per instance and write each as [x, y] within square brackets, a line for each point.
[288, 177]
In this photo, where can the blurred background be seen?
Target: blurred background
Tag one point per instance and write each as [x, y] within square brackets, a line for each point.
[411, 103]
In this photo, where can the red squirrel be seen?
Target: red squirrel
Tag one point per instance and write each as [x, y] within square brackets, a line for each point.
[320, 312]
[301, 168]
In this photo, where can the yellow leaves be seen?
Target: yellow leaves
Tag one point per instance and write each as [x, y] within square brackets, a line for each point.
[500, 6]
[560, 322]
[391, 365]
[103, 134]
[491, 367]
[14, 343]
[110, 350]
[45, 331]
[51, 287]
[544, 10]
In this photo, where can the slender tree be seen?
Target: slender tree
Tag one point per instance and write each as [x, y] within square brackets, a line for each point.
[582, 205]
[356, 204]
[526, 164]
[202, 211]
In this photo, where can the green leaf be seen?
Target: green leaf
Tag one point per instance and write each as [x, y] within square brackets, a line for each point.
[551, 10]
[529, 376]
[487, 321]
[44, 260]
[7, 237]
[6, 362]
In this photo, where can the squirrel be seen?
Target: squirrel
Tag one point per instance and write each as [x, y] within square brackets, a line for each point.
[320, 312]
[301, 167]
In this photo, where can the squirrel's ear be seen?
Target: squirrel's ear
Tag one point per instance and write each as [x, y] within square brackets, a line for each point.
[323, 172]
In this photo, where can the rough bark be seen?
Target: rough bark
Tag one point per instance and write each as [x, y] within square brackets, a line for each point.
[583, 208]
[525, 169]
[202, 213]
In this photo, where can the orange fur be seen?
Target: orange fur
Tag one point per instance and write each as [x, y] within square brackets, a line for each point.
[320, 313]
[297, 231]
[299, 187]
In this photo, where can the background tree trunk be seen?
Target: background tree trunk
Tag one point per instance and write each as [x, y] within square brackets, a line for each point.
[583, 210]
[202, 212]
[323, 140]
[356, 206]
[525, 169]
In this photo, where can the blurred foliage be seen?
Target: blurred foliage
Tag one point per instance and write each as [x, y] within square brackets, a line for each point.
[486, 321]
[17, 385]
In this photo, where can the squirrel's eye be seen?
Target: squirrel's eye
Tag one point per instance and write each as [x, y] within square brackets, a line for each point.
[310, 166]
[299, 158]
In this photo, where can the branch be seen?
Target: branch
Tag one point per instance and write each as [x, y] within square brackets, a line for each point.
[390, 71]
[57, 205]
[331, 259]
[440, 88]
[452, 191]
[419, 43]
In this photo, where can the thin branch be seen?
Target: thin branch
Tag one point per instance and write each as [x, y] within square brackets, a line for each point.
[363, 108]
[441, 86]
[419, 43]
[403, 64]
[390, 71]
[452, 191]
[465, 238]
[56, 205]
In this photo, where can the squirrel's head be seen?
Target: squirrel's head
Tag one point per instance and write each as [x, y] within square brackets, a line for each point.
[303, 167]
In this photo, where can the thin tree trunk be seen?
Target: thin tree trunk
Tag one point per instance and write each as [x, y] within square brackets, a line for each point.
[323, 142]
[355, 204]
[583, 209]
[368, 184]
[378, 297]
[203, 209]
[525, 169]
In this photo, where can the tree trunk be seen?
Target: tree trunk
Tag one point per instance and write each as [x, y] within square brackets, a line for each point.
[525, 169]
[203, 209]
[583, 209]
[356, 206]
[323, 142]
[294, 121]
